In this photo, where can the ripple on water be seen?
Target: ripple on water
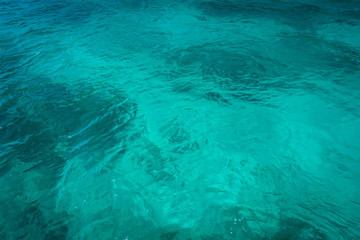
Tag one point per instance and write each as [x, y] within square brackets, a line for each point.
[179, 119]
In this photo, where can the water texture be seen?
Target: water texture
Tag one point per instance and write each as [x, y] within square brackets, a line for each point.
[202, 120]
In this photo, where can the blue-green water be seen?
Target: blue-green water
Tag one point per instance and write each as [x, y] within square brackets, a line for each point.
[201, 120]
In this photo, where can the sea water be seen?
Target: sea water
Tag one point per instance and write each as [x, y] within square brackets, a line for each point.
[169, 119]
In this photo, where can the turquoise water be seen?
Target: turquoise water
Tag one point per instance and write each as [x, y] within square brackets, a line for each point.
[201, 120]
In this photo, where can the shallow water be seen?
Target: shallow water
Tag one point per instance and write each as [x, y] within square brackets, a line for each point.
[137, 119]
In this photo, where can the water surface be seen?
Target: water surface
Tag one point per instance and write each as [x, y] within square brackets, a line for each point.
[139, 119]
